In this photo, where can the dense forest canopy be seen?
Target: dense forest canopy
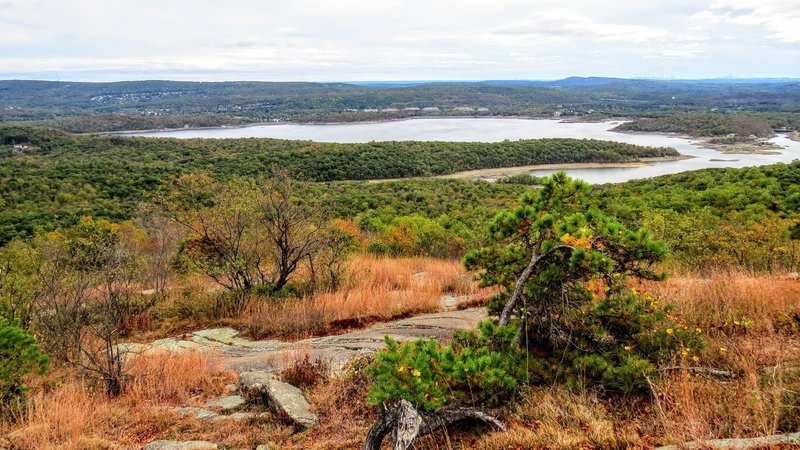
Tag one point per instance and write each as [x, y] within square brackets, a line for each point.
[49, 179]
[703, 125]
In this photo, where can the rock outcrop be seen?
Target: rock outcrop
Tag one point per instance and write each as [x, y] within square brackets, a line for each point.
[263, 388]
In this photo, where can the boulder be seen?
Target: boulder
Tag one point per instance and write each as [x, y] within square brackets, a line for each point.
[181, 445]
[264, 388]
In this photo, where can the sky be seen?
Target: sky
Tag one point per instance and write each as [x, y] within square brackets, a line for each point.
[373, 40]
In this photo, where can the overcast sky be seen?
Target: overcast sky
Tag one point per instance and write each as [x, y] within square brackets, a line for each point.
[352, 40]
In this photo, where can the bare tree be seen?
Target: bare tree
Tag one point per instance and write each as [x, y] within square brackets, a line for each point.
[293, 227]
[164, 237]
[87, 283]
[244, 234]
[221, 221]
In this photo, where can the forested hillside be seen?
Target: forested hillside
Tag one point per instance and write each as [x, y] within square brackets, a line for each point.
[50, 179]
[92, 107]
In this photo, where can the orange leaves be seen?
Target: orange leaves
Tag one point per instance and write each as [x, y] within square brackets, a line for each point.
[584, 242]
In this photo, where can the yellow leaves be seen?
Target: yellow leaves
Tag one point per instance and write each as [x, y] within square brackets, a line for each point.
[670, 331]
[402, 369]
[580, 242]
[628, 348]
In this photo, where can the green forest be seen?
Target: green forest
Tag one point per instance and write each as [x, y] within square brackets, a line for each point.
[50, 179]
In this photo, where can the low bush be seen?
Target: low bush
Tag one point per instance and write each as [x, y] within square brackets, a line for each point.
[306, 373]
[468, 372]
[19, 356]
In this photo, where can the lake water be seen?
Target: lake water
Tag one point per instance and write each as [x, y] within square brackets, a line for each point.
[498, 129]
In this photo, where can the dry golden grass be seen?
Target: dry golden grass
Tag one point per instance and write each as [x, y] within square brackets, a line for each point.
[717, 301]
[72, 415]
[763, 399]
[376, 289]
[557, 419]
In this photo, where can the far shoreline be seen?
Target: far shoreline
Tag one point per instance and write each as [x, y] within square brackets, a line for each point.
[504, 172]
[137, 133]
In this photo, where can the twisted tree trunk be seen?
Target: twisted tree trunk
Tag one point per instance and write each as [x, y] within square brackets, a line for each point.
[406, 423]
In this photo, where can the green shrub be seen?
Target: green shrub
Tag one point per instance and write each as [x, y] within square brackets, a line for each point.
[629, 333]
[564, 269]
[19, 356]
[468, 372]
[378, 248]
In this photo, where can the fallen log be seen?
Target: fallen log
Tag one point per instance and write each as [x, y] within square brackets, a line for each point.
[738, 444]
[406, 424]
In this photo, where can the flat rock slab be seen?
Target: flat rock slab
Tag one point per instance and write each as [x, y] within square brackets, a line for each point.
[241, 354]
[181, 445]
[338, 350]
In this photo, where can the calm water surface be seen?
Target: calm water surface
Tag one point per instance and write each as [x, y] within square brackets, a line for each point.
[495, 130]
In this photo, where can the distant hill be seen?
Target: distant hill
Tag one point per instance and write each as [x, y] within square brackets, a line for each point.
[86, 107]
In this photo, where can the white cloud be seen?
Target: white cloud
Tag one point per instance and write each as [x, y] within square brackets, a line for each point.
[690, 38]
[394, 39]
[570, 25]
[780, 17]
[692, 50]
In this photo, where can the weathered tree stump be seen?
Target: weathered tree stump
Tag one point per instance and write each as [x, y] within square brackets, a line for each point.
[406, 424]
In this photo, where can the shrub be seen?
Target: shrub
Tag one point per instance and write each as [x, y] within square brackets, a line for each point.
[19, 356]
[468, 372]
[564, 270]
[305, 373]
[378, 248]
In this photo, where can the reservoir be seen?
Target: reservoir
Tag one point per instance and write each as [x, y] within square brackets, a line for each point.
[499, 129]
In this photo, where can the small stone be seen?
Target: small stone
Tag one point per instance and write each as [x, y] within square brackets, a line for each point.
[263, 447]
[199, 413]
[231, 388]
[238, 416]
[419, 278]
[228, 403]
[181, 445]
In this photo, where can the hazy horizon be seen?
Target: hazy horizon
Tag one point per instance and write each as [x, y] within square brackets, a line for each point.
[393, 40]
[775, 79]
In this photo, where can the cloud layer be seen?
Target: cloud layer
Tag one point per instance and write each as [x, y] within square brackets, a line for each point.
[396, 39]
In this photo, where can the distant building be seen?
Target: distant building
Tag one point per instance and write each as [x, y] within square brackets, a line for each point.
[431, 109]
[410, 109]
[463, 109]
